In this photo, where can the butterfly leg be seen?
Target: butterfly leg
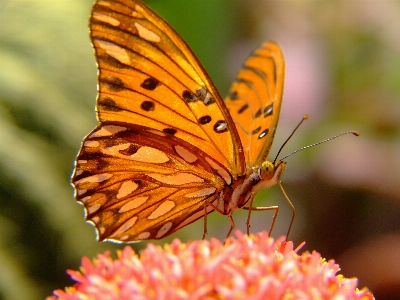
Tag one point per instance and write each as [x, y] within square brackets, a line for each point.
[205, 221]
[252, 195]
[291, 205]
[276, 208]
[222, 213]
[261, 208]
[232, 227]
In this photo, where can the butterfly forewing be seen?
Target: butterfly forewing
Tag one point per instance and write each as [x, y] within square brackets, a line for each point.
[137, 183]
[254, 101]
[148, 76]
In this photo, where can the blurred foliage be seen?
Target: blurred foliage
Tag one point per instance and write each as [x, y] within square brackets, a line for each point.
[343, 66]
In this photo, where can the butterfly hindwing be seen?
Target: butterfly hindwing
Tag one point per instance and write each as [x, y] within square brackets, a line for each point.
[254, 101]
[149, 76]
[138, 183]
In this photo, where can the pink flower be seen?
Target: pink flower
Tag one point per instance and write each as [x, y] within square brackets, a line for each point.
[249, 267]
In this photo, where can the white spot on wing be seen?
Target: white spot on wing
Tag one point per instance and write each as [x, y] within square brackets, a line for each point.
[96, 219]
[143, 154]
[144, 235]
[91, 144]
[114, 150]
[126, 188]
[106, 19]
[208, 98]
[162, 209]
[176, 179]
[150, 155]
[107, 130]
[221, 171]
[137, 13]
[147, 34]
[185, 154]
[221, 126]
[269, 110]
[84, 199]
[81, 191]
[93, 208]
[164, 229]
[201, 92]
[138, 8]
[124, 237]
[104, 3]
[94, 179]
[114, 51]
[124, 227]
[201, 193]
[134, 203]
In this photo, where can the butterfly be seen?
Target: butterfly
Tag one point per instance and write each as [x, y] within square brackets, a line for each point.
[168, 149]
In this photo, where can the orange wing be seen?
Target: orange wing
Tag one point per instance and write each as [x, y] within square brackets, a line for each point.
[149, 76]
[254, 101]
[137, 183]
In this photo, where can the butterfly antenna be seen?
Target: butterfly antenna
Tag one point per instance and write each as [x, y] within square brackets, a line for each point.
[321, 142]
[305, 117]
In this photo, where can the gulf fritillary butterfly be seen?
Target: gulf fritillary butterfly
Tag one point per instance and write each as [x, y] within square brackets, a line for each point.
[168, 150]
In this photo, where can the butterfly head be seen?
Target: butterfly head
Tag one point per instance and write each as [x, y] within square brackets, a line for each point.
[272, 171]
[269, 174]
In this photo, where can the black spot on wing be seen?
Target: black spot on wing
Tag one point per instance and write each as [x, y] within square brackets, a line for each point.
[111, 61]
[102, 164]
[113, 83]
[201, 93]
[208, 99]
[111, 142]
[90, 155]
[132, 149]
[243, 108]
[269, 110]
[170, 131]
[126, 134]
[234, 95]
[263, 134]
[220, 126]
[150, 84]
[147, 105]
[244, 81]
[204, 120]
[256, 130]
[107, 103]
[188, 96]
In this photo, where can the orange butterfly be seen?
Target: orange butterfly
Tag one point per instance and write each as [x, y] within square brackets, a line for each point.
[168, 150]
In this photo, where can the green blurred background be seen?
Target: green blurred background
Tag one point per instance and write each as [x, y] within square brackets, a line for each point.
[343, 69]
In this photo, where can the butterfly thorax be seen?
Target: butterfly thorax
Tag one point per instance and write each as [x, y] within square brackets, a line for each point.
[244, 188]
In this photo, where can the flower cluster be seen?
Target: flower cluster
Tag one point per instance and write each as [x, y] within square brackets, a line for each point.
[249, 267]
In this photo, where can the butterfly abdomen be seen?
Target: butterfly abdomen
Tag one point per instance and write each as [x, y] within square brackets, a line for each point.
[238, 194]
